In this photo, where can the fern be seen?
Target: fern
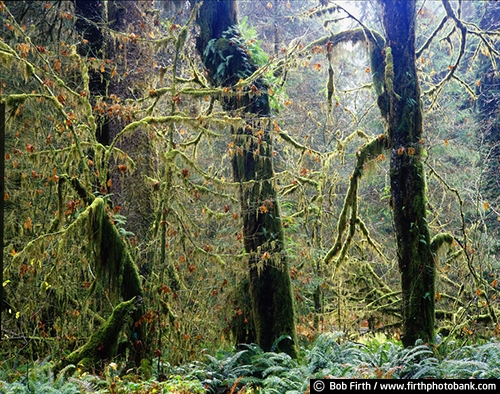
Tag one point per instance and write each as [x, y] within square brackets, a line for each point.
[258, 371]
[327, 354]
[462, 369]
[40, 379]
[481, 361]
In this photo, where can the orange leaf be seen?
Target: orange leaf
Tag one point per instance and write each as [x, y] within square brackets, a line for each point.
[57, 65]
[28, 224]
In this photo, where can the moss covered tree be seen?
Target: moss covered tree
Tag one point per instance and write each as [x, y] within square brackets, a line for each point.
[401, 107]
[109, 32]
[396, 83]
[488, 109]
[228, 64]
[99, 23]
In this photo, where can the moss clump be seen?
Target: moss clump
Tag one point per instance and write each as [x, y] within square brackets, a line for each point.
[389, 70]
[440, 240]
[103, 344]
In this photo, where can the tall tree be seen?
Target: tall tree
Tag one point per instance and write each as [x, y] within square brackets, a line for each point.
[270, 290]
[488, 107]
[87, 25]
[98, 22]
[400, 105]
[110, 31]
[2, 192]
[393, 58]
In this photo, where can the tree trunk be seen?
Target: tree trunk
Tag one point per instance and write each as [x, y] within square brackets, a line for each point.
[88, 17]
[271, 298]
[400, 105]
[125, 187]
[2, 193]
[488, 115]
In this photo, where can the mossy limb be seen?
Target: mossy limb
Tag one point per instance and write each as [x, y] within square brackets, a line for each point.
[103, 344]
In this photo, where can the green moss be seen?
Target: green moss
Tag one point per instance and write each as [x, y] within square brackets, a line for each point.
[103, 344]
[367, 152]
[377, 66]
[389, 70]
[440, 240]
[114, 263]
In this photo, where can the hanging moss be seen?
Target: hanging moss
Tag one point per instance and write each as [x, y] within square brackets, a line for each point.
[389, 70]
[377, 66]
[113, 261]
[226, 60]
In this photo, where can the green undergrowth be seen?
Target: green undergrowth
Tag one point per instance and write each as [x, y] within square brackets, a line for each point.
[249, 369]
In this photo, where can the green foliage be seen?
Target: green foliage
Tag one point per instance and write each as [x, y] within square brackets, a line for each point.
[40, 378]
[249, 35]
[220, 55]
[257, 371]
[192, 258]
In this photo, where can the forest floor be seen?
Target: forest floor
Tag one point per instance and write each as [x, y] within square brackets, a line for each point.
[251, 370]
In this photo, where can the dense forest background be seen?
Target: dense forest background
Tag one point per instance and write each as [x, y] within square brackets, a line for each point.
[125, 230]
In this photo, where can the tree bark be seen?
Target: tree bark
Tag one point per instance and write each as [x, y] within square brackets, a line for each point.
[271, 298]
[400, 105]
[487, 114]
[119, 16]
[2, 194]
[88, 17]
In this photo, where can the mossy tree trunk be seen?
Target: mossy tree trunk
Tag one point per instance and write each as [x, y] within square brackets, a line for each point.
[113, 86]
[488, 115]
[2, 193]
[400, 105]
[117, 272]
[127, 189]
[270, 289]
